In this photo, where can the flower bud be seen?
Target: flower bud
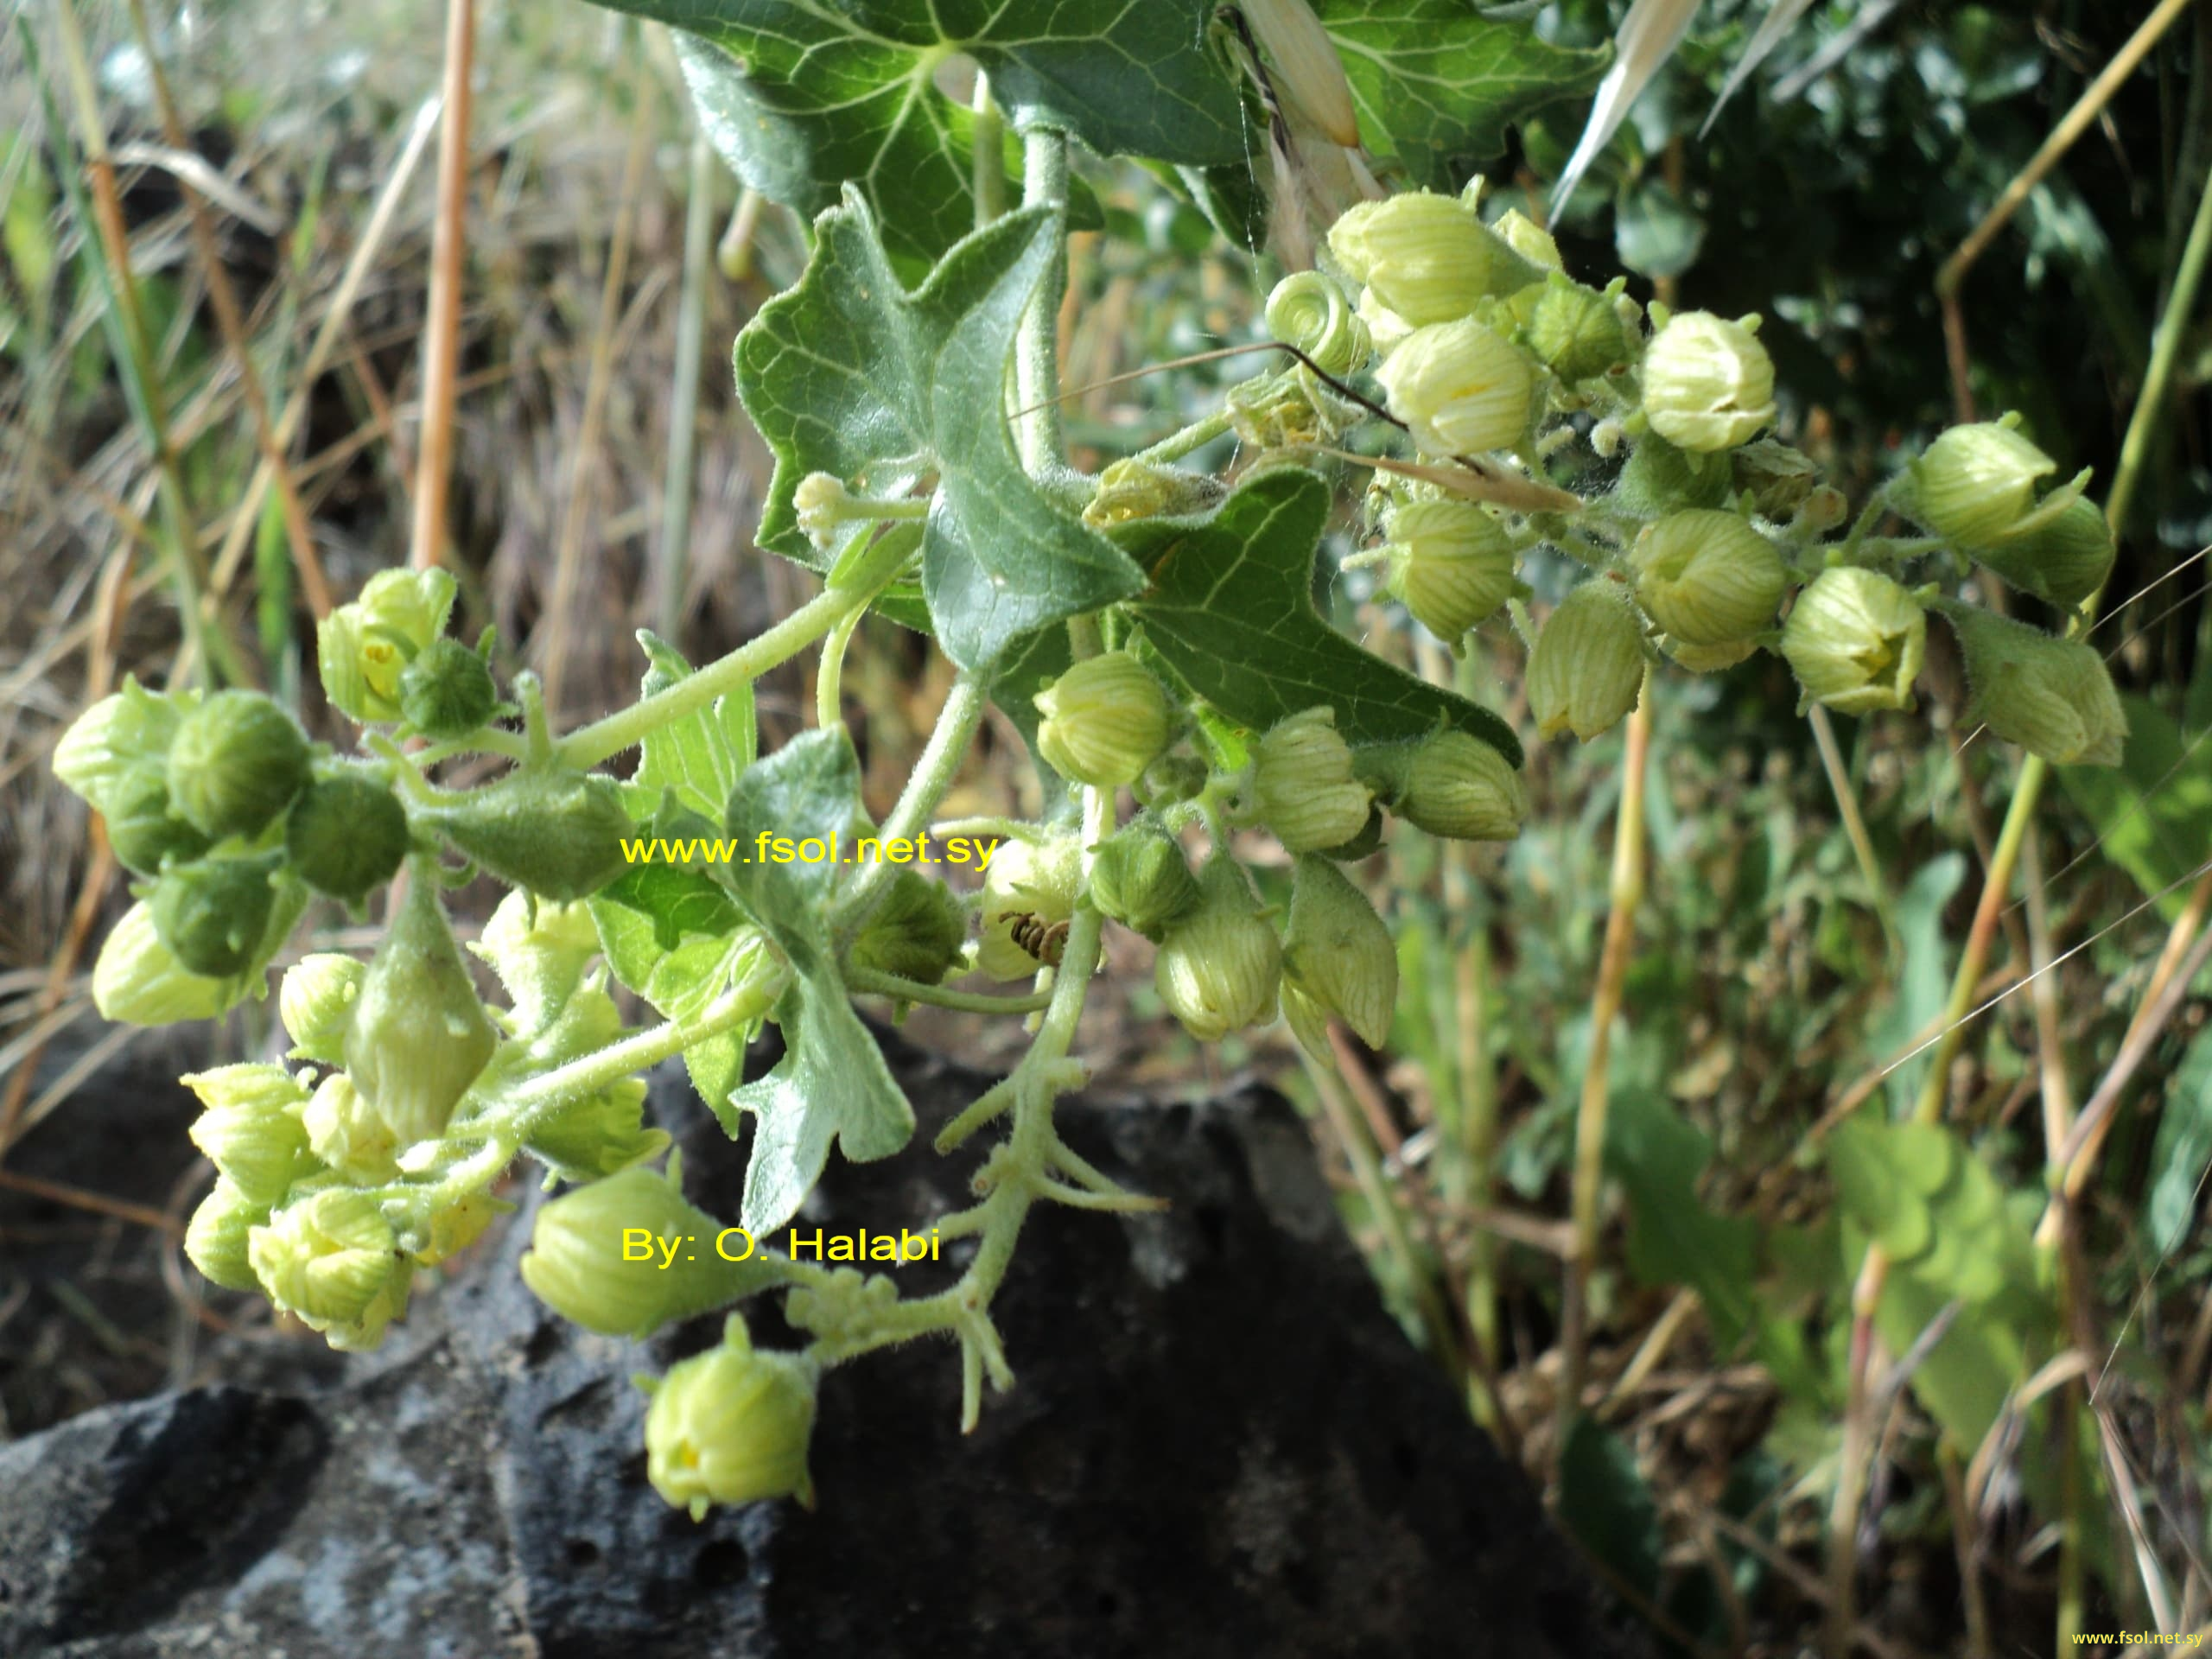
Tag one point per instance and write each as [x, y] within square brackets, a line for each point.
[216, 1239]
[1459, 786]
[1708, 384]
[1587, 670]
[2051, 696]
[454, 1227]
[1307, 70]
[145, 828]
[236, 762]
[917, 932]
[555, 832]
[539, 950]
[347, 835]
[1459, 389]
[1026, 882]
[1528, 239]
[730, 1425]
[2064, 561]
[1131, 488]
[138, 981]
[1139, 879]
[447, 691]
[1303, 786]
[822, 504]
[1576, 331]
[214, 914]
[1219, 967]
[1308, 310]
[1451, 564]
[125, 737]
[1975, 483]
[1385, 329]
[1427, 258]
[330, 1259]
[600, 1135]
[1707, 578]
[1337, 954]
[1658, 479]
[364, 648]
[419, 1035]
[251, 1129]
[1779, 479]
[1105, 721]
[315, 1000]
[345, 1132]
[1855, 640]
[1708, 660]
[625, 1256]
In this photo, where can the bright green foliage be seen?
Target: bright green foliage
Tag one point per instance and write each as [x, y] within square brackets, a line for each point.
[851, 375]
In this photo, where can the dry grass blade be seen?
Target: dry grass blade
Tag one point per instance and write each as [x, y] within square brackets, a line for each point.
[1781, 17]
[1648, 37]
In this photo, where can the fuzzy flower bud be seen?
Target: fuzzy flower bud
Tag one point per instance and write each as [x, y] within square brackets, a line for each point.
[214, 914]
[730, 1425]
[917, 932]
[419, 1035]
[1658, 479]
[1307, 70]
[2051, 696]
[625, 1256]
[1855, 640]
[1459, 389]
[1576, 331]
[1218, 968]
[1105, 721]
[2063, 560]
[363, 649]
[1528, 239]
[216, 1239]
[555, 832]
[1707, 578]
[1779, 479]
[123, 738]
[1587, 670]
[1027, 883]
[145, 829]
[1975, 484]
[236, 762]
[315, 1000]
[601, 1135]
[447, 691]
[539, 950]
[1303, 784]
[1451, 564]
[1337, 954]
[138, 981]
[345, 1133]
[1139, 879]
[1308, 310]
[1458, 786]
[1427, 258]
[330, 1259]
[1131, 488]
[347, 835]
[251, 1129]
[454, 1227]
[1708, 384]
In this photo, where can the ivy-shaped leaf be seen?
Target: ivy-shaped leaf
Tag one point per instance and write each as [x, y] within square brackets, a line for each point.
[850, 374]
[802, 97]
[1230, 608]
[831, 1085]
[1436, 85]
[702, 755]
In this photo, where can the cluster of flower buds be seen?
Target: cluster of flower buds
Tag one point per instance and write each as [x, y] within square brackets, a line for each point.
[1977, 487]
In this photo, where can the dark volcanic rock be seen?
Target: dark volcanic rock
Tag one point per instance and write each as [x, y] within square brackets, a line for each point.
[1219, 1444]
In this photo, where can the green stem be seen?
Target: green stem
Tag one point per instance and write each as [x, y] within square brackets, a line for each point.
[1036, 363]
[1854, 824]
[587, 746]
[1175, 445]
[871, 983]
[828, 678]
[988, 141]
[933, 774]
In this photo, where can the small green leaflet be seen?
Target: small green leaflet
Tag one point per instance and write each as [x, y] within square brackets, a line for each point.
[701, 756]
[1436, 85]
[802, 96]
[1230, 608]
[851, 375]
[831, 1083]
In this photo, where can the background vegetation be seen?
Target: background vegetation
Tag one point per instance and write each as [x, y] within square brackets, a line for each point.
[2027, 1439]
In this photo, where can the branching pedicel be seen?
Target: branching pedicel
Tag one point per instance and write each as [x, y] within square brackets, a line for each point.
[1155, 629]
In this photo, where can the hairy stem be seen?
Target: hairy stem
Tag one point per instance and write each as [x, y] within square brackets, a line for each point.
[1036, 363]
[948, 747]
